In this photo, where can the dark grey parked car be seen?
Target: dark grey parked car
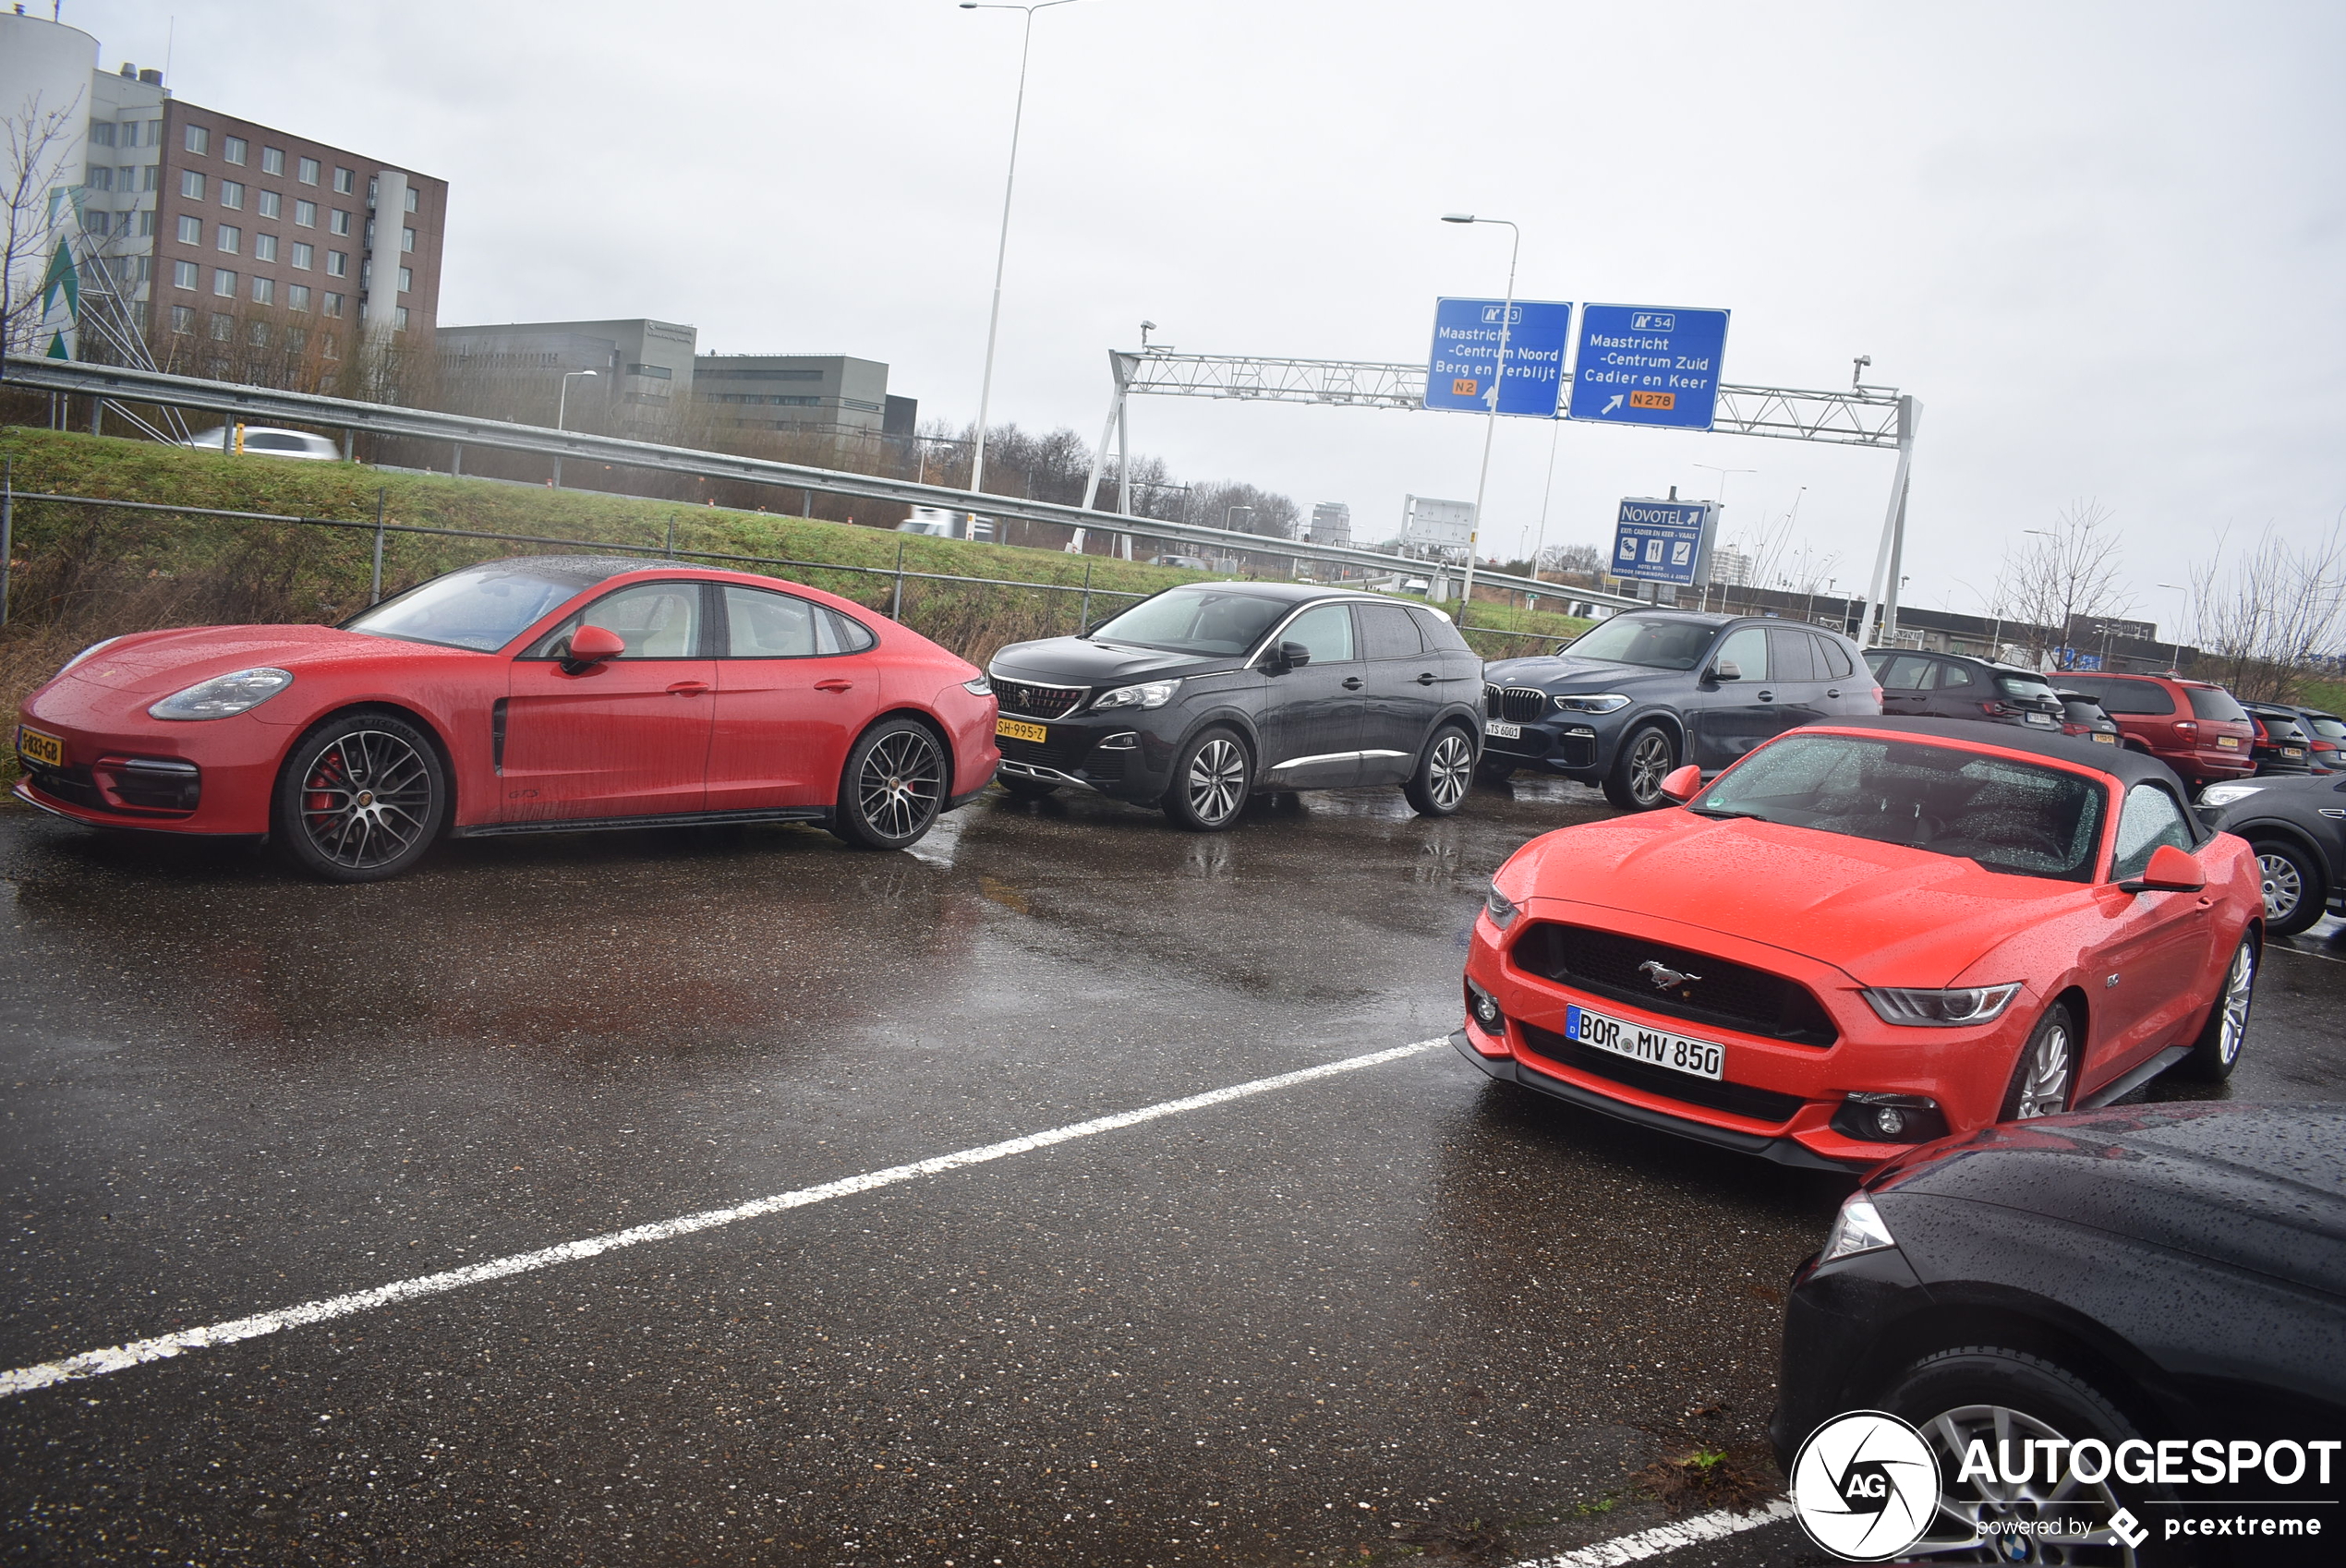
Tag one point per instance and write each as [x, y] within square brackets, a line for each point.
[1205, 693]
[2298, 829]
[1940, 685]
[1636, 695]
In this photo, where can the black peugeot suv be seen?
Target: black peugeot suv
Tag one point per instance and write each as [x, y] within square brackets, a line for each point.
[1648, 690]
[1205, 693]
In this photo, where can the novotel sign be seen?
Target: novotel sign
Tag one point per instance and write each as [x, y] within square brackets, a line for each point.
[1663, 541]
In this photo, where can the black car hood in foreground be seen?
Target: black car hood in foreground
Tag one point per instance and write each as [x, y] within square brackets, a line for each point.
[1554, 672]
[1079, 661]
[2261, 1188]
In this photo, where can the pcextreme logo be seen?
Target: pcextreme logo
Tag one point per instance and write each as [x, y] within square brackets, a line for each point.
[1865, 1486]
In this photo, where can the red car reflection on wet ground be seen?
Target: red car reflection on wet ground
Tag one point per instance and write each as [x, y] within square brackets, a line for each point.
[1869, 935]
[541, 693]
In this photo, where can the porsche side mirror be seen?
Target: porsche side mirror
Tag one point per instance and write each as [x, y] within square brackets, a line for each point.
[1294, 655]
[2171, 870]
[1726, 669]
[1681, 783]
[590, 645]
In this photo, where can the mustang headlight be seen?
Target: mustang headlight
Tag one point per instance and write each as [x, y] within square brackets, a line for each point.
[85, 653]
[1857, 1228]
[2214, 795]
[981, 687]
[1955, 1009]
[1501, 907]
[224, 696]
[1148, 694]
[1609, 702]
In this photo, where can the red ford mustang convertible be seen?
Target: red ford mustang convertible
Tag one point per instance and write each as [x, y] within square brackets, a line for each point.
[545, 694]
[1869, 935]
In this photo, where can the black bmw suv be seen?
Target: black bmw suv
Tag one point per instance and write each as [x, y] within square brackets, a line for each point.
[1205, 693]
[1648, 690]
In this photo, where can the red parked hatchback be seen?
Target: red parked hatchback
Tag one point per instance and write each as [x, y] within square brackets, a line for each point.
[2193, 726]
[548, 694]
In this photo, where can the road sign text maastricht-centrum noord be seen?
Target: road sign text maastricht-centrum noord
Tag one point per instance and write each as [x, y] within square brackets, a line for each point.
[1464, 360]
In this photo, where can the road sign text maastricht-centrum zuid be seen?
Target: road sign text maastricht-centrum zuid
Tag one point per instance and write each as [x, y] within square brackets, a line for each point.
[1465, 359]
[1640, 364]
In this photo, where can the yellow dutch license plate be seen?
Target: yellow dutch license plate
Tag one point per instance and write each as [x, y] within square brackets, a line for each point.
[2228, 742]
[1013, 729]
[33, 746]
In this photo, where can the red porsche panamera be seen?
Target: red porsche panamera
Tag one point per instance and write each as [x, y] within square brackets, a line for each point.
[542, 694]
[1869, 935]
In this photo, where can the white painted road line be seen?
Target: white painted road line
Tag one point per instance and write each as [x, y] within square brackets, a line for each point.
[120, 1358]
[1662, 1537]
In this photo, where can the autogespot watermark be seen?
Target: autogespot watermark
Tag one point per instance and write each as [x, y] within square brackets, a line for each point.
[1867, 1486]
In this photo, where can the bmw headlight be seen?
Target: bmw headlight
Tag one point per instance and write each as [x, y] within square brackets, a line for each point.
[224, 696]
[1148, 694]
[2225, 794]
[1609, 702]
[85, 653]
[1857, 1228]
[1955, 1008]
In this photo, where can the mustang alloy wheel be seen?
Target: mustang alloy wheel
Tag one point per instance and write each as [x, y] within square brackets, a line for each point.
[893, 788]
[2041, 1082]
[1444, 773]
[2217, 1051]
[361, 798]
[1210, 782]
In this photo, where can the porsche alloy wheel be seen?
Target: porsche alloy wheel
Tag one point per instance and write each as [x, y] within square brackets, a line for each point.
[894, 787]
[2217, 1051]
[2041, 1082]
[361, 798]
[1444, 774]
[1210, 783]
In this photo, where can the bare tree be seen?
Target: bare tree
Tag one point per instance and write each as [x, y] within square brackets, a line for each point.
[2065, 576]
[41, 144]
[1574, 560]
[2269, 618]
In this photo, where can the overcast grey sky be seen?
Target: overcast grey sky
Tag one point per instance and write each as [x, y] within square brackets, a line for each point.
[2102, 243]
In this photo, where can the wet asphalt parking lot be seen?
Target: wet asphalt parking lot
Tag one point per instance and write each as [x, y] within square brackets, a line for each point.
[1390, 1311]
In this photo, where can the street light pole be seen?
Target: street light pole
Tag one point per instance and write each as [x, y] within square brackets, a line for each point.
[1002, 245]
[1498, 380]
[561, 411]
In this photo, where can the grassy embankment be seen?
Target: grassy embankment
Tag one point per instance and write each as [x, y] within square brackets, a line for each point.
[83, 572]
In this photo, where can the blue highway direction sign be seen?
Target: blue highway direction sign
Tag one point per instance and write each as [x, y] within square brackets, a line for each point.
[1663, 541]
[1638, 365]
[1465, 361]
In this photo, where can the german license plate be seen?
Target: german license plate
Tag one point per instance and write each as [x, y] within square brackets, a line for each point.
[34, 746]
[1017, 730]
[2042, 719]
[1654, 1046]
[1499, 729]
[2228, 742]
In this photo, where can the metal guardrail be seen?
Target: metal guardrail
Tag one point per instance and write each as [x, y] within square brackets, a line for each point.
[122, 383]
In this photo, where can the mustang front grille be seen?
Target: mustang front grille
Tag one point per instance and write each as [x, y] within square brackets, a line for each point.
[1714, 991]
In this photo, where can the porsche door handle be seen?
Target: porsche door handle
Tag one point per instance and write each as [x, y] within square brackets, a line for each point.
[688, 688]
[1353, 683]
[834, 684]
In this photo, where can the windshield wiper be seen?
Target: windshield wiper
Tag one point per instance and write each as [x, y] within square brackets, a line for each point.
[1726, 815]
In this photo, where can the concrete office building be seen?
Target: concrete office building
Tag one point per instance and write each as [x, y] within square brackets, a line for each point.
[642, 367]
[1331, 524]
[221, 230]
[832, 393]
[1730, 568]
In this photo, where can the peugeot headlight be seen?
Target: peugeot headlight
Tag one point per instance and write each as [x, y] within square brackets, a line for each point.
[1148, 694]
[1955, 1008]
[981, 687]
[1857, 1228]
[2225, 794]
[85, 653]
[1609, 702]
[224, 696]
[1501, 909]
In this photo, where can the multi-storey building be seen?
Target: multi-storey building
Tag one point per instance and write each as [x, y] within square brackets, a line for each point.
[224, 233]
[517, 370]
[795, 392]
[1331, 524]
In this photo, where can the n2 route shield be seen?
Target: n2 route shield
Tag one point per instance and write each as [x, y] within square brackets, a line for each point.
[1641, 364]
[1465, 359]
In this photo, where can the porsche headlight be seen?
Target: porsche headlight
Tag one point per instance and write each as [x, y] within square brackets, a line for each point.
[224, 696]
[1955, 1008]
[981, 687]
[1609, 702]
[2225, 794]
[1148, 694]
[104, 643]
[1857, 1228]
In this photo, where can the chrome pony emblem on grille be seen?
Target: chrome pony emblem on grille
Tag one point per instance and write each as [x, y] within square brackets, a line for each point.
[1663, 975]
